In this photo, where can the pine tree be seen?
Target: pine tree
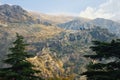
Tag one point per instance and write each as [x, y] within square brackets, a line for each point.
[20, 68]
[107, 65]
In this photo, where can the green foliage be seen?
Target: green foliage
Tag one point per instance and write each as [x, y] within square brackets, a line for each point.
[106, 61]
[19, 67]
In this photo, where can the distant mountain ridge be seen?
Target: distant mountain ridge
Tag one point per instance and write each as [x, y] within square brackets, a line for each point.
[76, 24]
[54, 19]
[79, 24]
[112, 26]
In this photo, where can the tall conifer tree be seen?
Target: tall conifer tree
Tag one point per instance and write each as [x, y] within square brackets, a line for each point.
[106, 61]
[20, 68]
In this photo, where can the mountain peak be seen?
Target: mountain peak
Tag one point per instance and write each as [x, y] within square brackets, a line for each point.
[8, 7]
[12, 13]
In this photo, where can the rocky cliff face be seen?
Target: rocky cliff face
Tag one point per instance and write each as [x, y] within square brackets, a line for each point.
[48, 64]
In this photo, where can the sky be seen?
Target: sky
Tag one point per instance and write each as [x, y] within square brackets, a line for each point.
[84, 8]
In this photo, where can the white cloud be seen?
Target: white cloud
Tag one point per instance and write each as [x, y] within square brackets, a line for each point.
[107, 10]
